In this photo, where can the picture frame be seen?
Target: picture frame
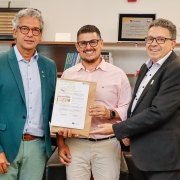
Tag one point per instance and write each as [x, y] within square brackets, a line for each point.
[134, 27]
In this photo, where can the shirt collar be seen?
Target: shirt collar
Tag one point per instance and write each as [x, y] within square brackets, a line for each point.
[102, 66]
[149, 63]
[19, 56]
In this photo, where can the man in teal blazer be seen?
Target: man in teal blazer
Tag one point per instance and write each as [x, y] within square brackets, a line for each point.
[27, 86]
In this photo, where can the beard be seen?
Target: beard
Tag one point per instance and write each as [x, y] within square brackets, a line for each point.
[91, 61]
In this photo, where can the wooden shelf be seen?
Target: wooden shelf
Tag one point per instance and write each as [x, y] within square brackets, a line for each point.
[58, 50]
[131, 75]
[114, 45]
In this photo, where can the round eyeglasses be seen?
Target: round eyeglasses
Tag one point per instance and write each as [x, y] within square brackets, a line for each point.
[92, 43]
[25, 30]
[159, 40]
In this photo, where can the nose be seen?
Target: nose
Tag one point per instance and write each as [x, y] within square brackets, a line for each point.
[30, 33]
[154, 42]
[88, 45]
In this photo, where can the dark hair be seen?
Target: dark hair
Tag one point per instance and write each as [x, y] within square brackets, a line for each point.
[88, 29]
[164, 23]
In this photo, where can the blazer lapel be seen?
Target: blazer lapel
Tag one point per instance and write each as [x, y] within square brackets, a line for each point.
[42, 74]
[167, 61]
[140, 77]
[13, 63]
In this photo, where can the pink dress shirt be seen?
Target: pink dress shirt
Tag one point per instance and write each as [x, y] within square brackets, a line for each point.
[113, 89]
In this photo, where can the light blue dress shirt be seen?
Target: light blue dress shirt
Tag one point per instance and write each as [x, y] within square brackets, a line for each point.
[32, 89]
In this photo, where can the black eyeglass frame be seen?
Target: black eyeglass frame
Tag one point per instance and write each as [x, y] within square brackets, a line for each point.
[89, 43]
[20, 27]
[146, 40]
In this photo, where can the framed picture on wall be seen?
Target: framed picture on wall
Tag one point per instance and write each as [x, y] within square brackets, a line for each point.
[134, 27]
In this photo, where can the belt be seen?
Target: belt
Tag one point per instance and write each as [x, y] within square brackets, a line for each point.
[102, 139]
[28, 137]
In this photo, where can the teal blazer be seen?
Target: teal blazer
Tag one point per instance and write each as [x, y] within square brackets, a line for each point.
[13, 110]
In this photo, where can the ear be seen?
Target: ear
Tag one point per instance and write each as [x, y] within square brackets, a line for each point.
[173, 43]
[101, 43]
[15, 33]
[77, 46]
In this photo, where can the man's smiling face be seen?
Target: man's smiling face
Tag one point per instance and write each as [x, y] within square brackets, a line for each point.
[158, 51]
[90, 54]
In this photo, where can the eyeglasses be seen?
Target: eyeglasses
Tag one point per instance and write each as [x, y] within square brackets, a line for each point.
[25, 30]
[92, 43]
[159, 40]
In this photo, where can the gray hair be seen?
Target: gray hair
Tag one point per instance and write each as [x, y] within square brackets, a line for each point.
[164, 23]
[28, 12]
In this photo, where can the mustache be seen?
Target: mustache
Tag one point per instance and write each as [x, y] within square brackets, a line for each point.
[89, 50]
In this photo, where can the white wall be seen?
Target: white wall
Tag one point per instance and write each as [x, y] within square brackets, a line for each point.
[69, 15]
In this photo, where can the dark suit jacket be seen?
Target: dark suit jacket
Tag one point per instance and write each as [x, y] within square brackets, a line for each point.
[12, 102]
[154, 126]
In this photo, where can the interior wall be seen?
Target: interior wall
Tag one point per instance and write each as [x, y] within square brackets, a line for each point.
[67, 16]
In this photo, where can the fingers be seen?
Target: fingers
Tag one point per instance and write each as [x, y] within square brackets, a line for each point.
[3, 163]
[66, 133]
[103, 129]
[64, 159]
[98, 111]
[3, 168]
[64, 155]
[75, 135]
[126, 141]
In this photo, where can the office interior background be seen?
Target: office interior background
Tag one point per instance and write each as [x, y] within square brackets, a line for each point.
[67, 16]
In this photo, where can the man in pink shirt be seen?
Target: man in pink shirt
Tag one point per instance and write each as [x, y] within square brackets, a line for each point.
[99, 153]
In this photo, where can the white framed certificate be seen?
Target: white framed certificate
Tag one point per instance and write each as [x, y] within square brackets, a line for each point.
[71, 103]
[134, 27]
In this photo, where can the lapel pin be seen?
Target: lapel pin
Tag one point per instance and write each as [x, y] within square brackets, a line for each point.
[152, 82]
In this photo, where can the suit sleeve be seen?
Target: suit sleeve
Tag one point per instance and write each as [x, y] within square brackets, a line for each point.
[164, 105]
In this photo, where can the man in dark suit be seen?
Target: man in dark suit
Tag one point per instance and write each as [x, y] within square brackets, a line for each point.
[153, 123]
[27, 85]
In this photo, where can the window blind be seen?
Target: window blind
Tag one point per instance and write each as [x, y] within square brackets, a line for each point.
[6, 22]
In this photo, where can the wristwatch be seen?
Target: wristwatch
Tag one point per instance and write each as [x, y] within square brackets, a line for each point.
[112, 115]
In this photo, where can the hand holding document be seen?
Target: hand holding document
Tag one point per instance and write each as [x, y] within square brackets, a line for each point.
[71, 103]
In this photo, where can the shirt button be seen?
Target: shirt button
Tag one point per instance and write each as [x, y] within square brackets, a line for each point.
[30, 92]
[30, 78]
[30, 107]
[143, 87]
[24, 117]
